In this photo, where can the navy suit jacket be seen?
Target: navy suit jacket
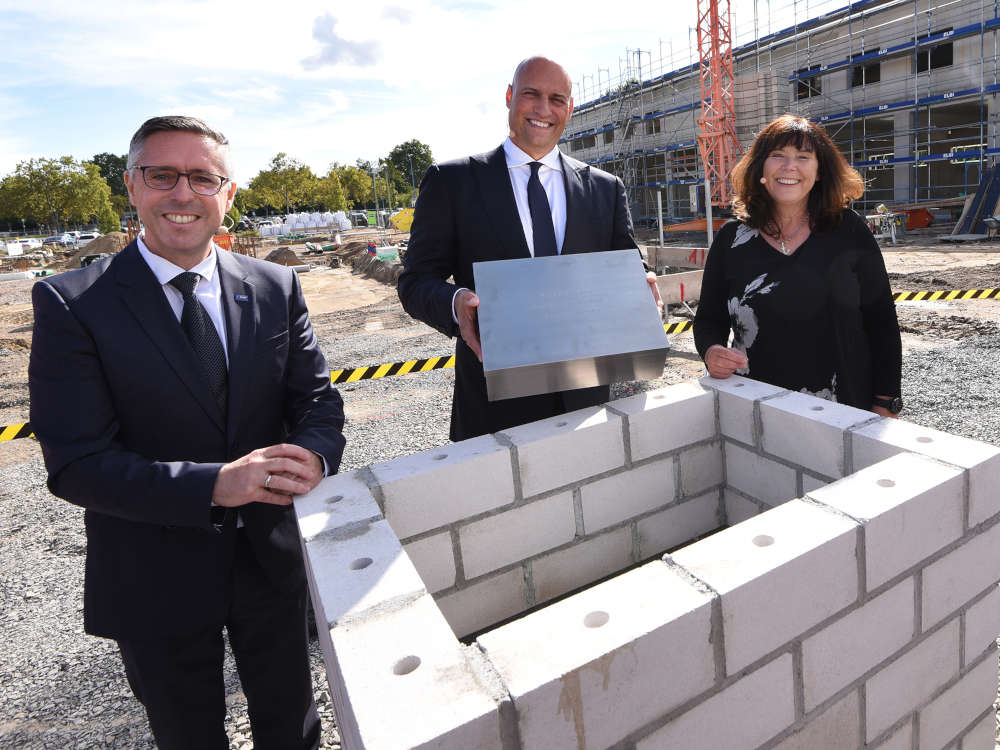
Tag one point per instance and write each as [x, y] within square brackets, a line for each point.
[130, 431]
[466, 213]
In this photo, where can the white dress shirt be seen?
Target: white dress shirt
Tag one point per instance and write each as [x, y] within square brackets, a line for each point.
[551, 177]
[208, 292]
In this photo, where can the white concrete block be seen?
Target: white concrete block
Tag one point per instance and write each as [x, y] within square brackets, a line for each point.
[911, 679]
[485, 602]
[901, 739]
[410, 661]
[517, 534]
[810, 483]
[959, 705]
[701, 468]
[741, 717]
[736, 399]
[847, 648]
[356, 573]
[911, 507]
[759, 477]
[443, 485]
[738, 508]
[337, 501]
[960, 575]
[434, 560]
[583, 563]
[778, 574]
[837, 727]
[982, 736]
[888, 436]
[678, 524]
[627, 494]
[982, 624]
[557, 451]
[668, 418]
[809, 431]
[588, 670]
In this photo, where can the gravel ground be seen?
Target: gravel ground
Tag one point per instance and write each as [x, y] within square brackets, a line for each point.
[63, 689]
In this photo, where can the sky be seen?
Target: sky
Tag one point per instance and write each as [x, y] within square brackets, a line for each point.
[320, 81]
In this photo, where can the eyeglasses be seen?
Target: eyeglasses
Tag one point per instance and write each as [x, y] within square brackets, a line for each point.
[165, 178]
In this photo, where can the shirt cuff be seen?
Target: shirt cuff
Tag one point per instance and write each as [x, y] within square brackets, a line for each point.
[460, 289]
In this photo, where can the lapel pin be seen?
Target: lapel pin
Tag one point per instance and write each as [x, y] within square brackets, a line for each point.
[241, 298]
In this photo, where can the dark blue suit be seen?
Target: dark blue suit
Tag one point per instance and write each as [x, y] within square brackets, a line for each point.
[130, 431]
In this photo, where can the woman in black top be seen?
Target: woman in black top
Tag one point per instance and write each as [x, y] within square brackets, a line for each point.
[799, 279]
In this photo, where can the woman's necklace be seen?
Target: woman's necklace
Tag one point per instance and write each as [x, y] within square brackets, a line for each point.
[790, 238]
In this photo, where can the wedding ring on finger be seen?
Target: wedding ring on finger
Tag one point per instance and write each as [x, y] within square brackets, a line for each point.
[267, 482]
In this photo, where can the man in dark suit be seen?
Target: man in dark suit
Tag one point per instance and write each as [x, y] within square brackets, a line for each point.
[179, 395]
[525, 199]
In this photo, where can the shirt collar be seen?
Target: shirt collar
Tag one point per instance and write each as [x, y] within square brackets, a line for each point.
[164, 270]
[517, 158]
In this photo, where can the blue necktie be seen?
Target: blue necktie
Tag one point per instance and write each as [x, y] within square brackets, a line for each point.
[542, 231]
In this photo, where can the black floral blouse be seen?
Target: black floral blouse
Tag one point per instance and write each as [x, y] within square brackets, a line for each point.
[820, 321]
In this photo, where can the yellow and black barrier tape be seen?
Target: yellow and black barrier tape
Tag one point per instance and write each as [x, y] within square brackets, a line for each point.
[373, 372]
[960, 294]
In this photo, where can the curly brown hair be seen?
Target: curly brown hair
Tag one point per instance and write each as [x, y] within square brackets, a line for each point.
[837, 183]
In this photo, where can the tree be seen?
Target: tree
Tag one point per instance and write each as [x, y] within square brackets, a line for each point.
[56, 190]
[286, 183]
[109, 220]
[356, 183]
[113, 171]
[330, 193]
[402, 157]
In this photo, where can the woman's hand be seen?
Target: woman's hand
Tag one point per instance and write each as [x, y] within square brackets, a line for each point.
[723, 361]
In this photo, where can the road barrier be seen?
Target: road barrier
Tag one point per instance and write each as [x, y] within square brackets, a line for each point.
[444, 362]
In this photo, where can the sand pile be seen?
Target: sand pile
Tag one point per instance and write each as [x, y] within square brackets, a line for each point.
[284, 256]
[110, 243]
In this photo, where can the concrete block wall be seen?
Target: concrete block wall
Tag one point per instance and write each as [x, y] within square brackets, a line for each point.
[851, 602]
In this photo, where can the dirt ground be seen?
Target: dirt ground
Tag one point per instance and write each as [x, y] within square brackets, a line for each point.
[920, 263]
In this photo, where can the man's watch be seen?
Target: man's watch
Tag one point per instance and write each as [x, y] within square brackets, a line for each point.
[894, 404]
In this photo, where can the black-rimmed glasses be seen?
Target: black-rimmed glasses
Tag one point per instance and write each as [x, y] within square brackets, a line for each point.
[165, 178]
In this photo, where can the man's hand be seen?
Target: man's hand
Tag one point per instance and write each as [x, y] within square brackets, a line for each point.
[723, 361]
[293, 471]
[466, 313]
[651, 280]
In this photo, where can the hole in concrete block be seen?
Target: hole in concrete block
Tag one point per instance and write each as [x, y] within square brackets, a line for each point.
[334, 499]
[925, 439]
[763, 540]
[440, 456]
[361, 563]
[561, 424]
[738, 385]
[406, 665]
[596, 619]
[885, 483]
[817, 408]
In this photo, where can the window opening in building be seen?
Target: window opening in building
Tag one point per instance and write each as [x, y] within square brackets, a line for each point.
[808, 87]
[865, 73]
[937, 56]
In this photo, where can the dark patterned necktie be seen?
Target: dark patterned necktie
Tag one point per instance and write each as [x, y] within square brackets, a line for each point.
[203, 337]
[543, 233]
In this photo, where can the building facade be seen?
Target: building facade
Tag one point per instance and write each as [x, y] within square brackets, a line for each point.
[906, 88]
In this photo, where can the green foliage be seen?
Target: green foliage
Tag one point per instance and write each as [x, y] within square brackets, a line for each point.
[287, 183]
[113, 171]
[55, 190]
[356, 184]
[330, 193]
[108, 220]
[401, 157]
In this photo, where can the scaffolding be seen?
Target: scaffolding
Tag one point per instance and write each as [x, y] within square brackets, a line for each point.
[906, 88]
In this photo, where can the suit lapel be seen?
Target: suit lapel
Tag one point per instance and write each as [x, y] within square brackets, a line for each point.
[145, 299]
[576, 180]
[498, 202]
[239, 305]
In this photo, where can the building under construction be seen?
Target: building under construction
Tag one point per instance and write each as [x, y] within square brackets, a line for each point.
[906, 88]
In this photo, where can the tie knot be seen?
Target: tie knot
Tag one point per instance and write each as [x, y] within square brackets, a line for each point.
[185, 282]
[535, 166]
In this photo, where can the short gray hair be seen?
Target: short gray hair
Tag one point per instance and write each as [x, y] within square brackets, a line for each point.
[171, 124]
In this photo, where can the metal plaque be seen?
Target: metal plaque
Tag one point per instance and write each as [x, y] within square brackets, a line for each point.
[567, 321]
